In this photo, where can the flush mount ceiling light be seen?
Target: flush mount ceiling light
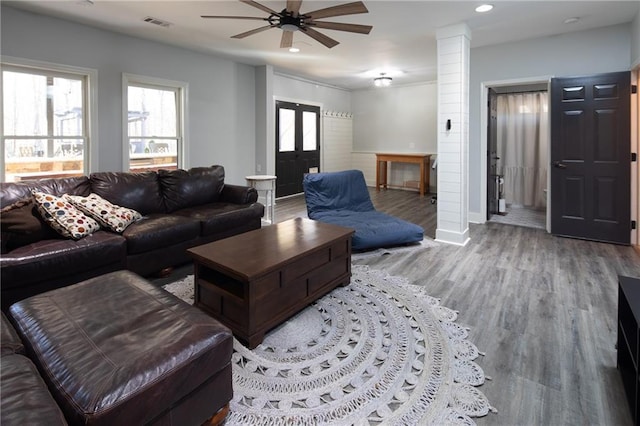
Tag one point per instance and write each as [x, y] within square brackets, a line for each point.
[382, 81]
[484, 8]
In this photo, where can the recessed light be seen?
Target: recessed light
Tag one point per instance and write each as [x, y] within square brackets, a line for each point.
[572, 20]
[294, 50]
[484, 8]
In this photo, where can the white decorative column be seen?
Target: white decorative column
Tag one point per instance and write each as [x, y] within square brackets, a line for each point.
[453, 134]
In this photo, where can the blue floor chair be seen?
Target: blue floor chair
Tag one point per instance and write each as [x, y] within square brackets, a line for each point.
[342, 198]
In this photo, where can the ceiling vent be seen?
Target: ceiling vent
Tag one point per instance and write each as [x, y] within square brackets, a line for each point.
[156, 21]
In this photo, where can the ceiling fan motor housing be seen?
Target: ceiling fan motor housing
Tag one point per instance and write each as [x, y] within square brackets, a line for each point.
[288, 22]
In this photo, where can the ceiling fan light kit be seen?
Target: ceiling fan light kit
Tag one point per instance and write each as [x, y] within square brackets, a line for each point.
[290, 20]
[484, 8]
[382, 81]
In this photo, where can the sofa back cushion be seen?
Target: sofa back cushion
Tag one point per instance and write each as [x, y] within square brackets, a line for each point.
[21, 224]
[137, 191]
[12, 192]
[193, 187]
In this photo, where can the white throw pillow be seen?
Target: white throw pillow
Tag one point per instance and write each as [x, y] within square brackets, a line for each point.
[111, 216]
[63, 217]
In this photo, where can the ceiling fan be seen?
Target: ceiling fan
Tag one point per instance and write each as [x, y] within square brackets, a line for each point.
[290, 20]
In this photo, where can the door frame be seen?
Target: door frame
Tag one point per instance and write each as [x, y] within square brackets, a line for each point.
[484, 122]
[635, 147]
[271, 149]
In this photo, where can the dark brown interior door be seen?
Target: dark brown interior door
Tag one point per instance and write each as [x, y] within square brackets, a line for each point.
[492, 155]
[590, 157]
[297, 145]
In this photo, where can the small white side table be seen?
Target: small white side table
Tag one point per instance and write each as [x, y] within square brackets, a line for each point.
[265, 183]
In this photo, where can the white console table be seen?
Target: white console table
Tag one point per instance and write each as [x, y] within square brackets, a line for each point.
[265, 183]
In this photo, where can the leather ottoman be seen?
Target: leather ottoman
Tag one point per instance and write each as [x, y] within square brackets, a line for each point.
[116, 349]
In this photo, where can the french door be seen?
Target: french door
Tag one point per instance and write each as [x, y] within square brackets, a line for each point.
[297, 145]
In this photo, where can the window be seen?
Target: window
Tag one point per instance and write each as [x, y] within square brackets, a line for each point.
[45, 122]
[310, 130]
[154, 124]
[287, 129]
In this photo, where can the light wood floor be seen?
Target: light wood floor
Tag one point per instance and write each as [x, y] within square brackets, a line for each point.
[543, 308]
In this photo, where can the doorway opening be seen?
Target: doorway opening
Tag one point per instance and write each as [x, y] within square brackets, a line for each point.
[518, 155]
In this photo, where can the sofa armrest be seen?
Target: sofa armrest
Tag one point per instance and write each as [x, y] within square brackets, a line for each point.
[238, 194]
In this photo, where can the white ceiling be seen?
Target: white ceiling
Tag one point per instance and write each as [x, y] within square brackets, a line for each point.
[402, 42]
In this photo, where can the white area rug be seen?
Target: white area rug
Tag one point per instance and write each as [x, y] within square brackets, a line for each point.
[422, 245]
[379, 351]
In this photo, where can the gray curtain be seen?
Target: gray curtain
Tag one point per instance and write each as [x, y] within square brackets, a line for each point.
[523, 140]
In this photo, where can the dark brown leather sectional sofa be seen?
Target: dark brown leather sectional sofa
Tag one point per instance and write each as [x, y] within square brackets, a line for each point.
[113, 350]
[180, 208]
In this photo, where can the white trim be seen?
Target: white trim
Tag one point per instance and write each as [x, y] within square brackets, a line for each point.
[182, 89]
[305, 80]
[91, 157]
[484, 122]
[297, 101]
[635, 147]
[451, 237]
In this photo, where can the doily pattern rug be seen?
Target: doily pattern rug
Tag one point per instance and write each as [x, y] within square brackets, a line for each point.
[426, 243]
[379, 351]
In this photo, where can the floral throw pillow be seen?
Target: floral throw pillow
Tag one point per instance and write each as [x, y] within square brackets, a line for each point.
[63, 217]
[109, 215]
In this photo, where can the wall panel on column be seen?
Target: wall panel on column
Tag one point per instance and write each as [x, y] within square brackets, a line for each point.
[453, 107]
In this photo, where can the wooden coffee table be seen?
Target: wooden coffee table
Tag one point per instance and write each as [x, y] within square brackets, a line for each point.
[252, 282]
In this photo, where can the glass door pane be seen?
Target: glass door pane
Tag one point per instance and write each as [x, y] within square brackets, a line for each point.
[287, 130]
[309, 131]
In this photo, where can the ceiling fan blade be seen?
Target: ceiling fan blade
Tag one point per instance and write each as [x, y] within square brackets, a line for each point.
[234, 17]
[287, 39]
[319, 37]
[340, 10]
[260, 6]
[352, 28]
[293, 6]
[252, 32]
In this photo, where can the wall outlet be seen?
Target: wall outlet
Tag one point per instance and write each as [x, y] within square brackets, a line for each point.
[259, 167]
[412, 145]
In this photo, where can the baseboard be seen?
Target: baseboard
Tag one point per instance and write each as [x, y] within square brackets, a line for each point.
[451, 237]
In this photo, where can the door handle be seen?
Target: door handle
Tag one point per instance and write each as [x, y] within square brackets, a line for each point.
[559, 165]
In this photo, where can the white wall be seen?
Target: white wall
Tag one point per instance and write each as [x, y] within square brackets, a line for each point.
[635, 41]
[578, 53]
[221, 109]
[331, 98]
[394, 119]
